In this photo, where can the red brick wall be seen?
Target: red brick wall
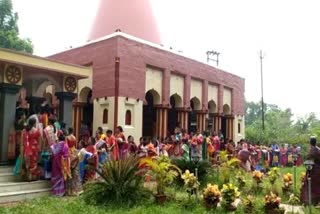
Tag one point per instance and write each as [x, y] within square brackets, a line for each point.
[136, 56]
[102, 57]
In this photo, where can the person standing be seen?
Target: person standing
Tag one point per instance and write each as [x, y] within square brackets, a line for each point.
[112, 145]
[90, 172]
[73, 183]
[60, 165]
[133, 148]
[283, 156]
[121, 140]
[30, 151]
[313, 155]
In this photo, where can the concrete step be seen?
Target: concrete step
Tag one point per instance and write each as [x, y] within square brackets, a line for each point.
[6, 169]
[8, 177]
[23, 186]
[8, 197]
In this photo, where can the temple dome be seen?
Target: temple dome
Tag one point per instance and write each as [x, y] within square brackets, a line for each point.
[133, 17]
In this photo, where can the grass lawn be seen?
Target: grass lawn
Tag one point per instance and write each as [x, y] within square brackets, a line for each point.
[181, 204]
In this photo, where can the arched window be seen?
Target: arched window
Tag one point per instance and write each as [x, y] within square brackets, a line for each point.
[105, 116]
[128, 118]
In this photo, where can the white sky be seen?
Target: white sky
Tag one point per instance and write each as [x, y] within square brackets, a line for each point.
[287, 31]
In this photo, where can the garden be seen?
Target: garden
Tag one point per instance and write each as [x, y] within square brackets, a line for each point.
[163, 185]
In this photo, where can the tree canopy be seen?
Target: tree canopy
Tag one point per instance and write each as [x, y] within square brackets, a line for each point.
[280, 126]
[9, 31]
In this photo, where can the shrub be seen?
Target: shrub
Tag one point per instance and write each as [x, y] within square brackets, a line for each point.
[202, 166]
[119, 183]
[163, 171]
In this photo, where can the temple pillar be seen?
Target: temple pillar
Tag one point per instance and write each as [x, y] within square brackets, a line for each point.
[8, 99]
[77, 118]
[183, 119]
[162, 122]
[201, 121]
[65, 107]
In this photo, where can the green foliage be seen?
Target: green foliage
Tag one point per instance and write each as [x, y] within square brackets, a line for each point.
[202, 166]
[163, 170]
[120, 183]
[279, 125]
[9, 31]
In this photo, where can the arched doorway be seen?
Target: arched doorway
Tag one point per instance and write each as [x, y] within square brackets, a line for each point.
[85, 97]
[195, 106]
[212, 108]
[173, 121]
[149, 113]
[224, 125]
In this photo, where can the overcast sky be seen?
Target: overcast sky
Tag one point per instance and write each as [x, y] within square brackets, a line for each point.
[286, 30]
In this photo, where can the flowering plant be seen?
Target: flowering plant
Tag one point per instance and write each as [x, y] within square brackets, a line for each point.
[190, 181]
[257, 176]
[287, 180]
[230, 193]
[273, 174]
[211, 195]
[272, 201]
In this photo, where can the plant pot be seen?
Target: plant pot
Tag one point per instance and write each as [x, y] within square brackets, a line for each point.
[231, 208]
[211, 206]
[160, 199]
[274, 211]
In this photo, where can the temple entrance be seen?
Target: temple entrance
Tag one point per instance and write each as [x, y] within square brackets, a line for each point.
[212, 107]
[224, 122]
[173, 121]
[85, 97]
[150, 114]
[192, 117]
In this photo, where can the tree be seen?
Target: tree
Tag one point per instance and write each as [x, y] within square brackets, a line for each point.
[9, 31]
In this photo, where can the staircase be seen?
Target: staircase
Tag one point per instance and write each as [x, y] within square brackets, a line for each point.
[11, 190]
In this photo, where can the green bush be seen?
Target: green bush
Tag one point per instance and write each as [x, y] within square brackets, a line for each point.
[202, 166]
[120, 183]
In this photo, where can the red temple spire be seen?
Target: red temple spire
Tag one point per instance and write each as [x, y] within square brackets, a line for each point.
[133, 17]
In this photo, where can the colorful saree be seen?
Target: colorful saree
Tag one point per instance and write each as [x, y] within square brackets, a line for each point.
[60, 166]
[31, 154]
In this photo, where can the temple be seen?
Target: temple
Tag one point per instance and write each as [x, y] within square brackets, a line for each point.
[147, 89]
[123, 76]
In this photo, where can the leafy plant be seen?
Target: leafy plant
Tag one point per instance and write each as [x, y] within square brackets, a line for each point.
[229, 193]
[257, 176]
[272, 201]
[211, 196]
[163, 171]
[202, 166]
[228, 169]
[287, 181]
[120, 183]
[191, 182]
[273, 174]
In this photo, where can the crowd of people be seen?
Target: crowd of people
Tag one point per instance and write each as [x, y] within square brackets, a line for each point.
[48, 150]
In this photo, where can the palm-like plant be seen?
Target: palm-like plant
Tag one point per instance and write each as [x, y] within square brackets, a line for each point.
[163, 170]
[119, 183]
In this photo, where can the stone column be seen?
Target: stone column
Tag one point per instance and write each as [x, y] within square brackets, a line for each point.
[8, 99]
[201, 121]
[162, 122]
[65, 107]
[183, 119]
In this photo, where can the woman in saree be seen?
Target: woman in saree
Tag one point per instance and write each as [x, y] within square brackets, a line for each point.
[60, 165]
[283, 156]
[121, 140]
[112, 145]
[73, 182]
[313, 155]
[30, 151]
[92, 163]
